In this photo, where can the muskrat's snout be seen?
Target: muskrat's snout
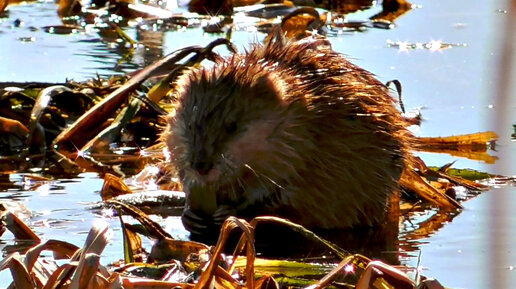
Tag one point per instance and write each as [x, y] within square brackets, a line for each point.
[201, 163]
[201, 159]
[203, 167]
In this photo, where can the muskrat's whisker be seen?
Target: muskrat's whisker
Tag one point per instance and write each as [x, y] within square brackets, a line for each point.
[241, 183]
[227, 169]
[259, 175]
[234, 192]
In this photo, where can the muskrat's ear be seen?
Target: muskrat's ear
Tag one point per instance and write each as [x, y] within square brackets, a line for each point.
[268, 88]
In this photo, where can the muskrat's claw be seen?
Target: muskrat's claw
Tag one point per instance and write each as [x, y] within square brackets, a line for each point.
[194, 223]
[222, 213]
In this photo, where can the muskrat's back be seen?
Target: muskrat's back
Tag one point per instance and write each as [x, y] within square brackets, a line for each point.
[290, 129]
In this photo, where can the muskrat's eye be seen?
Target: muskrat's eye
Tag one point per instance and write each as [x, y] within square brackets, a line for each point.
[231, 127]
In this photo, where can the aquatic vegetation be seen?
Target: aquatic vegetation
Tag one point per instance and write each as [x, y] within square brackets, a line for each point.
[187, 264]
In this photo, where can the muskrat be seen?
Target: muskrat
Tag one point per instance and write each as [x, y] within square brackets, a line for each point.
[290, 129]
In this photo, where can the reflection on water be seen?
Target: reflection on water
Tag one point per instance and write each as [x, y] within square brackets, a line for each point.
[79, 55]
[454, 88]
[107, 59]
[152, 42]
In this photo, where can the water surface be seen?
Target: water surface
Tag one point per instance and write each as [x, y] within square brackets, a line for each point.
[456, 90]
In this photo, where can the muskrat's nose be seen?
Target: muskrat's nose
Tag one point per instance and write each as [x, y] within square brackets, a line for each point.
[201, 161]
[203, 167]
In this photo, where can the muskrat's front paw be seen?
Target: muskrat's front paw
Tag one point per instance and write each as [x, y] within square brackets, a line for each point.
[222, 213]
[194, 223]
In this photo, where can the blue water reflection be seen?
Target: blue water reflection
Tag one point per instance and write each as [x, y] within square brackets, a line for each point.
[454, 88]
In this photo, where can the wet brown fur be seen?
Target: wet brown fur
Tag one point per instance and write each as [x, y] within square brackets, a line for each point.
[290, 129]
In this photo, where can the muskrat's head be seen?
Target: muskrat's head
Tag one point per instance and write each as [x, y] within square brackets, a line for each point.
[220, 136]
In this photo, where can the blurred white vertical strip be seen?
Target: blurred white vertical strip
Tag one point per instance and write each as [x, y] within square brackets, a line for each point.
[171, 5]
[500, 227]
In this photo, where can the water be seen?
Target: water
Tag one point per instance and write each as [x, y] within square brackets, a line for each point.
[456, 90]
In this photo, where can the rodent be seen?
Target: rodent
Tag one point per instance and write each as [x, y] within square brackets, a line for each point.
[290, 129]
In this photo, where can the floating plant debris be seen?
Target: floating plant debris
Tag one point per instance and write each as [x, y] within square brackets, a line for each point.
[62, 29]
[27, 39]
[434, 45]
[184, 264]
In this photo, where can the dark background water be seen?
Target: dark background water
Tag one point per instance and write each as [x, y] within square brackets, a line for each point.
[458, 91]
